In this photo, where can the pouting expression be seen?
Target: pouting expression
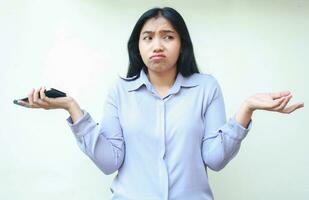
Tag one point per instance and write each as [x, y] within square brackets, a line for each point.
[159, 45]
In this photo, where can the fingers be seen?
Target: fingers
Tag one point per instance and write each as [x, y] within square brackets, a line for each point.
[282, 108]
[43, 101]
[43, 97]
[30, 99]
[278, 95]
[37, 99]
[283, 103]
[36, 95]
[280, 102]
[292, 108]
[275, 103]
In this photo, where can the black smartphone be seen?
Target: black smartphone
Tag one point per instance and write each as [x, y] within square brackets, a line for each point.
[51, 93]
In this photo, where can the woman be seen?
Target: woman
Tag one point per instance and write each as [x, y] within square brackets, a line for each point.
[164, 124]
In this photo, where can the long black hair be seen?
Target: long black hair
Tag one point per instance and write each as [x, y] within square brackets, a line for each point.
[186, 64]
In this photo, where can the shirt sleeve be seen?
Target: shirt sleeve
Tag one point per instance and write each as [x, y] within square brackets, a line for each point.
[221, 141]
[104, 143]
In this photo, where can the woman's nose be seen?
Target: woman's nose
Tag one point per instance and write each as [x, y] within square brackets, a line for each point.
[158, 47]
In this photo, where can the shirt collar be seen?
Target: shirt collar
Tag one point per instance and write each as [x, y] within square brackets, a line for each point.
[180, 81]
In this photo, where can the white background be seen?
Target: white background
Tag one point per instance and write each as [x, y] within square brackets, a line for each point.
[79, 46]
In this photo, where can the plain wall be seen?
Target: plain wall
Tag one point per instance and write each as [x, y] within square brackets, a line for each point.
[80, 47]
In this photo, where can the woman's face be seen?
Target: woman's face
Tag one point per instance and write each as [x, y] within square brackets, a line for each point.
[159, 45]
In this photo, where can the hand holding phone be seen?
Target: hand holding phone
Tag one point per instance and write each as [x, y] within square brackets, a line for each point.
[51, 93]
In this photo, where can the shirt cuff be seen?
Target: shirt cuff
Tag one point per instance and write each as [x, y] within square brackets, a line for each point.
[80, 127]
[235, 130]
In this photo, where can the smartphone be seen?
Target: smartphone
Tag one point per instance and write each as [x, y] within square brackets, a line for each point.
[51, 93]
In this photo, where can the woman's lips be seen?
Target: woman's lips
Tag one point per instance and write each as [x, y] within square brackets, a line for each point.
[157, 57]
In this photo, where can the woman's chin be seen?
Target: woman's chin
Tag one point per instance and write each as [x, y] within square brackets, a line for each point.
[159, 69]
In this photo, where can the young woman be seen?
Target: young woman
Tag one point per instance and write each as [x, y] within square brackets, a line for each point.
[164, 124]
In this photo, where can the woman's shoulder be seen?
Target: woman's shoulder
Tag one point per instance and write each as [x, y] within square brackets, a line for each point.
[203, 76]
[125, 83]
[203, 79]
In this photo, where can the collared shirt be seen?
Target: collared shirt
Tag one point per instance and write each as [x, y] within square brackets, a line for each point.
[161, 146]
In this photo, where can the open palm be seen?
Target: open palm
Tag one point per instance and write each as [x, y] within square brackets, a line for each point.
[273, 102]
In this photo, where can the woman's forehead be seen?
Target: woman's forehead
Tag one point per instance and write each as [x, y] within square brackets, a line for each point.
[157, 24]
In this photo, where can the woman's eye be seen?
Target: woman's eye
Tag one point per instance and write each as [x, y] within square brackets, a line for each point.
[147, 38]
[169, 37]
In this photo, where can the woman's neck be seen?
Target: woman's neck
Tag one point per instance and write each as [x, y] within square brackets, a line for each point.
[164, 80]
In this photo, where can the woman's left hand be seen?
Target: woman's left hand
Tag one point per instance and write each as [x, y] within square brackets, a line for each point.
[266, 101]
[272, 102]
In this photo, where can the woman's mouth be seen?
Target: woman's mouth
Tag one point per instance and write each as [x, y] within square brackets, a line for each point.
[157, 56]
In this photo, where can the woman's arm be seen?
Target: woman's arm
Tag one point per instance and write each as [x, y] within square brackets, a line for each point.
[222, 140]
[105, 145]
[75, 111]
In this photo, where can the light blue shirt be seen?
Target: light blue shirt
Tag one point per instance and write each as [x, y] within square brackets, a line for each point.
[161, 146]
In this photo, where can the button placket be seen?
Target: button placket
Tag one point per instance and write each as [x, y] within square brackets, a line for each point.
[161, 130]
[162, 126]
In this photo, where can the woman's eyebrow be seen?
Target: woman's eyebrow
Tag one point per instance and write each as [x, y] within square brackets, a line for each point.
[161, 31]
[166, 31]
[147, 32]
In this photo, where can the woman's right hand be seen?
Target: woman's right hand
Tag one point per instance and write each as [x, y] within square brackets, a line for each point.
[38, 99]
